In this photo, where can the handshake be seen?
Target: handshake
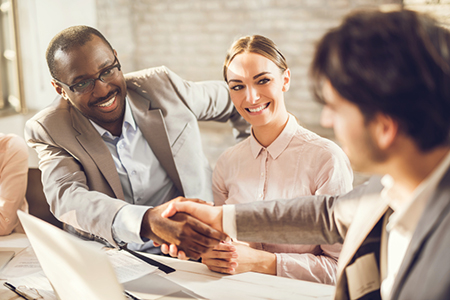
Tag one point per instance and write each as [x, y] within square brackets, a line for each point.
[186, 228]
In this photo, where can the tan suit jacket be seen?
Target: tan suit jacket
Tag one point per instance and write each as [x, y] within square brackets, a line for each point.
[80, 180]
[357, 220]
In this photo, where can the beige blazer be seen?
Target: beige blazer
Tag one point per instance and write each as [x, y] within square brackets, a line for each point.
[13, 181]
[357, 220]
[78, 173]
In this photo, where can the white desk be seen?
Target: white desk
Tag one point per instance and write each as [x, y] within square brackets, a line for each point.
[211, 285]
[196, 277]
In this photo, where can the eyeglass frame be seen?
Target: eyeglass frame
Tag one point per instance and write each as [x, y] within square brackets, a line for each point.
[93, 80]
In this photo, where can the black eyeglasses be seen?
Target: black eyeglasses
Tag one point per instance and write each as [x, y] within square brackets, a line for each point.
[86, 86]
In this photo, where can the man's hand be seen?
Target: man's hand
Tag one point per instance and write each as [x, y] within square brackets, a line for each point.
[207, 214]
[237, 257]
[183, 231]
[211, 215]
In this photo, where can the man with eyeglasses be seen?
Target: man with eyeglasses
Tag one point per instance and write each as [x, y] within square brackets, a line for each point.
[114, 149]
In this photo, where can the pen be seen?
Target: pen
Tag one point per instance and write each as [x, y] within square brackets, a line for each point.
[165, 268]
[24, 292]
[130, 296]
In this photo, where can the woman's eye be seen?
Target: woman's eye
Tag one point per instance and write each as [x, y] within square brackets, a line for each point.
[263, 81]
[237, 87]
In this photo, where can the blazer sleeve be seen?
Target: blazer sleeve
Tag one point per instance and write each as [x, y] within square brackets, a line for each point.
[73, 198]
[319, 219]
[207, 100]
[13, 180]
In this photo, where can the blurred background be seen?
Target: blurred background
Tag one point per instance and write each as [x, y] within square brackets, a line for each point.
[190, 37]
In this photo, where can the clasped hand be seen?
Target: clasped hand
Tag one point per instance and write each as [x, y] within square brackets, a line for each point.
[226, 257]
[238, 257]
[181, 230]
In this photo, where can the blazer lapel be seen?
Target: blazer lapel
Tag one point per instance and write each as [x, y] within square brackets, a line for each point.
[152, 126]
[430, 219]
[90, 140]
[369, 213]
[370, 210]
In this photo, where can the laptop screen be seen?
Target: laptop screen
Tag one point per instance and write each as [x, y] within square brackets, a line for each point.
[76, 269]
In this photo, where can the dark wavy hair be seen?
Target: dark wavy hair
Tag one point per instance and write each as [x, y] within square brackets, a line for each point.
[397, 63]
[67, 39]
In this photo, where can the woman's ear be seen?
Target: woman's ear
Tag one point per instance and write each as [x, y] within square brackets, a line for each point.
[286, 80]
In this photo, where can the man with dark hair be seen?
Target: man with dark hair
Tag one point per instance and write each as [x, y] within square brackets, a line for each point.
[384, 78]
[67, 39]
[114, 149]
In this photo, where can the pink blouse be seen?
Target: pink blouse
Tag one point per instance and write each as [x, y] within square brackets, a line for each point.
[297, 163]
[13, 181]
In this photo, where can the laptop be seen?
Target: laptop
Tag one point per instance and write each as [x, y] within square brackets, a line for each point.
[77, 269]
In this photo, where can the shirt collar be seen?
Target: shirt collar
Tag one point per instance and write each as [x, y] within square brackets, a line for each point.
[281, 142]
[407, 214]
[128, 122]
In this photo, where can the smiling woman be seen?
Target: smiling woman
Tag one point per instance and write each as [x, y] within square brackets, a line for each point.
[280, 160]
[257, 89]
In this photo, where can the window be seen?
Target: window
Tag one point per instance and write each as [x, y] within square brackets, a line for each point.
[11, 79]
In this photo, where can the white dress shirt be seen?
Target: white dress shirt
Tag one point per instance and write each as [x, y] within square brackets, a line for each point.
[408, 209]
[144, 182]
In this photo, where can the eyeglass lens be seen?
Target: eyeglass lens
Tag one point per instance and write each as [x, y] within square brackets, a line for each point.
[87, 86]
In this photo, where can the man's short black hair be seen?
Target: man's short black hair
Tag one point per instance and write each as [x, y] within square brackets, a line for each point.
[396, 63]
[68, 39]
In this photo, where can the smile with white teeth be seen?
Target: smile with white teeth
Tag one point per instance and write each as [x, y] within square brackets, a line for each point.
[258, 109]
[108, 103]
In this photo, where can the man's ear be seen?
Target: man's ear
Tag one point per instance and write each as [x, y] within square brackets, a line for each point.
[286, 80]
[385, 130]
[60, 90]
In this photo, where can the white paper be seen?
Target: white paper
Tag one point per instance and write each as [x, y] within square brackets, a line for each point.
[24, 263]
[25, 269]
[128, 267]
[364, 276]
[37, 281]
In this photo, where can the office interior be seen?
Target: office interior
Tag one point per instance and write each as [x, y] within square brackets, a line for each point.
[189, 37]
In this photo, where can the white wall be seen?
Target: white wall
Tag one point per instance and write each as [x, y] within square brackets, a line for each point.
[39, 21]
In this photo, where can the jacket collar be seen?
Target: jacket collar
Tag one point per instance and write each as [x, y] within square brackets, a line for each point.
[91, 141]
[369, 212]
[151, 123]
[436, 209]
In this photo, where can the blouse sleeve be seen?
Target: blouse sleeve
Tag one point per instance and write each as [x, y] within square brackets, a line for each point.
[13, 180]
[307, 266]
[335, 176]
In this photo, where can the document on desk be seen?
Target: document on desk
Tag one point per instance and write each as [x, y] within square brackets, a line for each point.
[274, 287]
[127, 267]
[37, 281]
[24, 263]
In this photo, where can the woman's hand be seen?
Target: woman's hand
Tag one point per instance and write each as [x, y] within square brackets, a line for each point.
[238, 257]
